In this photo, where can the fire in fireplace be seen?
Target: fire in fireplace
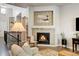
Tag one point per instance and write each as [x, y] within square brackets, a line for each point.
[43, 38]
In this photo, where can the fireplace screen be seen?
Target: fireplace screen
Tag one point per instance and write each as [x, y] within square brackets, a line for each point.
[43, 38]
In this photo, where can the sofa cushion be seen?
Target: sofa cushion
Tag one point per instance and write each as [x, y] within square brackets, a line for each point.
[18, 51]
[34, 50]
[27, 49]
[23, 54]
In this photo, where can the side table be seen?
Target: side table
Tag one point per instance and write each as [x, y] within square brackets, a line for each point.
[33, 44]
[75, 42]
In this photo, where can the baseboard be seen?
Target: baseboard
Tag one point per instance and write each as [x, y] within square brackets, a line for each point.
[69, 47]
[46, 45]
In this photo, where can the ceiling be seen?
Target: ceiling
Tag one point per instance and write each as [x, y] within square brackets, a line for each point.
[24, 5]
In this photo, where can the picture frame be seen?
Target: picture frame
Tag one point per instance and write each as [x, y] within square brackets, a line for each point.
[43, 18]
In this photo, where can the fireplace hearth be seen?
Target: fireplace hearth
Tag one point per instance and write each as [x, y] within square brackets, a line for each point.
[43, 38]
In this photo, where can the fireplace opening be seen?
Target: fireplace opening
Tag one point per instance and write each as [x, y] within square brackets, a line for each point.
[43, 38]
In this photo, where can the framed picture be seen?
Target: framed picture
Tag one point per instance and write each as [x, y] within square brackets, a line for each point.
[43, 18]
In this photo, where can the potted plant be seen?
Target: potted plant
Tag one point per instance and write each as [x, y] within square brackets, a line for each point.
[77, 35]
[62, 35]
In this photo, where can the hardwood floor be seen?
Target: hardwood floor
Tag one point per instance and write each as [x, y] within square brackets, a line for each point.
[58, 50]
[67, 52]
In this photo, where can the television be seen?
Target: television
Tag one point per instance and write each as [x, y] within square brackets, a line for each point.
[77, 24]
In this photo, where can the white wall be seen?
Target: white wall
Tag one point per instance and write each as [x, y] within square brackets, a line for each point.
[12, 11]
[16, 10]
[56, 21]
[3, 24]
[23, 11]
[4, 20]
[68, 15]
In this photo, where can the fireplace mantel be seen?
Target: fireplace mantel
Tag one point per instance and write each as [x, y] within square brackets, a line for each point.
[43, 27]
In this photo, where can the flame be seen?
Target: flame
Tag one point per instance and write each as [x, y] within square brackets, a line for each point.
[42, 38]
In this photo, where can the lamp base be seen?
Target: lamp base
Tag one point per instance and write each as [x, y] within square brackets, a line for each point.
[18, 39]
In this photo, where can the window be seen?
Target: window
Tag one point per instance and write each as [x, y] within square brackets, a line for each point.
[3, 10]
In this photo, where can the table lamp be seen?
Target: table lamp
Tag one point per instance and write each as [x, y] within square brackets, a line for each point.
[18, 28]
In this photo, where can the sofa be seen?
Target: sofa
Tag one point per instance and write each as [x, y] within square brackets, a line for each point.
[25, 50]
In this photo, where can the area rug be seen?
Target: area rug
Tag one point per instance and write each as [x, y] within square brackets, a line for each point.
[48, 52]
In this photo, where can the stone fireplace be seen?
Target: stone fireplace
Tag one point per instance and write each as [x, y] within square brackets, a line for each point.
[44, 35]
[43, 38]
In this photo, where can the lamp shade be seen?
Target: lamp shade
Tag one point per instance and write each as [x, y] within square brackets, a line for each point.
[17, 27]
